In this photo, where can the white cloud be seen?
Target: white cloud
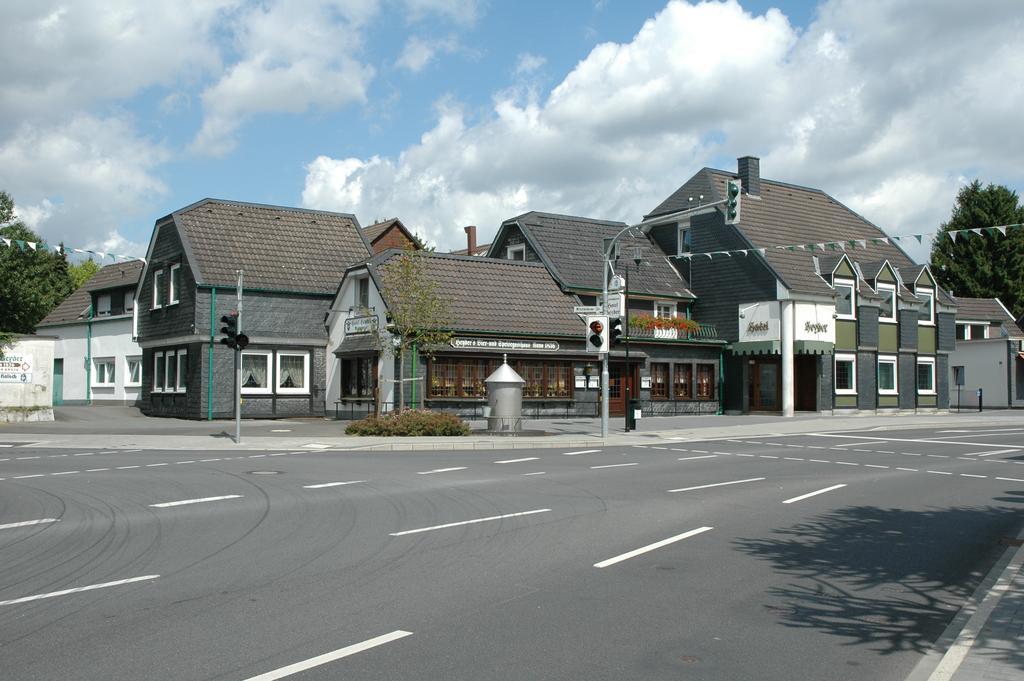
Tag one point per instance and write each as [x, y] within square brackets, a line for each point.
[76, 182]
[418, 52]
[528, 63]
[464, 12]
[861, 104]
[294, 55]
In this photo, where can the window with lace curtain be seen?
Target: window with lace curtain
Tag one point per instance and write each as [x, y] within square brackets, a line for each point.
[292, 372]
[256, 372]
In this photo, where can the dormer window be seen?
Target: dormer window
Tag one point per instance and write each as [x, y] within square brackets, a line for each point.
[927, 316]
[103, 305]
[684, 238]
[887, 309]
[363, 293]
[517, 252]
[846, 299]
[667, 310]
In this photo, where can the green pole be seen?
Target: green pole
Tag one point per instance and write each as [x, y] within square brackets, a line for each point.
[213, 325]
[413, 375]
[88, 356]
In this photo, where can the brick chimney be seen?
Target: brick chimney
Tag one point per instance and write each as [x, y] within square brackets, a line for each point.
[471, 240]
[749, 170]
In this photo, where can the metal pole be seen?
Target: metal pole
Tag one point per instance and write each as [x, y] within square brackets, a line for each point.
[238, 368]
[629, 371]
[604, 355]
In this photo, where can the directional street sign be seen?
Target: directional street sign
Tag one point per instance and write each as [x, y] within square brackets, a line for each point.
[588, 309]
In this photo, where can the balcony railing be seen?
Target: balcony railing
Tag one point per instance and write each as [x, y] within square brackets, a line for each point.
[703, 332]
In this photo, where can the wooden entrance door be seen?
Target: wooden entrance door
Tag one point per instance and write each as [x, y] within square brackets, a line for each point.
[765, 385]
[616, 390]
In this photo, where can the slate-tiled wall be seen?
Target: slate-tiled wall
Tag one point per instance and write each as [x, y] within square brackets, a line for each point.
[169, 320]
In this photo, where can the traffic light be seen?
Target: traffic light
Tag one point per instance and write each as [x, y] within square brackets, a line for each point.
[733, 189]
[597, 334]
[230, 330]
[615, 333]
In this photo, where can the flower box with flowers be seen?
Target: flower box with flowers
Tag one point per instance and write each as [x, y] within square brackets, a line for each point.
[643, 325]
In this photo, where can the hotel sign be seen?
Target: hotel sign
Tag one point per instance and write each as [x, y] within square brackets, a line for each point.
[504, 344]
[16, 369]
[759, 321]
[354, 325]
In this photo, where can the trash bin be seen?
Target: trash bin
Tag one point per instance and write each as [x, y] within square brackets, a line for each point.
[633, 412]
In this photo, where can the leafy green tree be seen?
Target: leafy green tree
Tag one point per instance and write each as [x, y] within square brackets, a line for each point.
[990, 265]
[82, 272]
[32, 282]
[418, 317]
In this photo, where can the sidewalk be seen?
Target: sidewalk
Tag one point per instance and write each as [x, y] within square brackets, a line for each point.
[113, 432]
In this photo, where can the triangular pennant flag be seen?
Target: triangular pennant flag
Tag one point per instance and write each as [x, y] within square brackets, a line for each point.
[804, 248]
[709, 255]
[842, 246]
[976, 230]
[895, 238]
[31, 244]
[761, 251]
[686, 256]
[952, 235]
[832, 246]
[991, 231]
[58, 249]
[1001, 230]
[7, 242]
[743, 251]
[821, 246]
[727, 253]
[863, 243]
[21, 244]
[885, 240]
[918, 237]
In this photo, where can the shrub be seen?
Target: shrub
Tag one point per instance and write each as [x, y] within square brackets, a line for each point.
[410, 422]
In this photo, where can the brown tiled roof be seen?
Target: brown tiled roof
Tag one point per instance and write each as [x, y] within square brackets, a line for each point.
[491, 295]
[279, 248]
[373, 231]
[481, 249]
[987, 310]
[76, 305]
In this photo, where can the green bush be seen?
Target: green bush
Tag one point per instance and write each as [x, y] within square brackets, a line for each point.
[410, 422]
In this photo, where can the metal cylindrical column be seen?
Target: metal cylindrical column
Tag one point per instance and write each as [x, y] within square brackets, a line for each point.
[787, 356]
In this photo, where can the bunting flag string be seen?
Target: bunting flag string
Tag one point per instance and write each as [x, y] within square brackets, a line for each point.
[36, 246]
[854, 244]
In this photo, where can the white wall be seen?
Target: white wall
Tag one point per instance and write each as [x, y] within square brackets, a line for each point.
[30, 399]
[345, 305]
[985, 366]
[111, 338]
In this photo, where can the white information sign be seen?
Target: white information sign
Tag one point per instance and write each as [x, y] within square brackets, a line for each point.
[759, 321]
[503, 344]
[815, 322]
[16, 369]
[588, 309]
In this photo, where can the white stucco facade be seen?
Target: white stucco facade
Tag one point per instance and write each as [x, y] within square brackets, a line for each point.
[994, 365]
[82, 347]
[26, 379]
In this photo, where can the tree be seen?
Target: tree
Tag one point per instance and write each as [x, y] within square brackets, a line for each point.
[417, 316]
[990, 265]
[32, 282]
[82, 272]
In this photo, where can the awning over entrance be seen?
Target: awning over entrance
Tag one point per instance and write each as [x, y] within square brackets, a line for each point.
[800, 347]
[353, 344]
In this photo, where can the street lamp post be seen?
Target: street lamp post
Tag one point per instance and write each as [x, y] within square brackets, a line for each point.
[637, 257]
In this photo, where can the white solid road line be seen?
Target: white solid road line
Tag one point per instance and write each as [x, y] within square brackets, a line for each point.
[332, 484]
[528, 458]
[442, 470]
[812, 494]
[183, 502]
[716, 484]
[651, 547]
[694, 458]
[330, 657]
[77, 589]
[26, 523]
[535, 473]
[614, 465]
[582, 451]
[469, 522]
[998, 451]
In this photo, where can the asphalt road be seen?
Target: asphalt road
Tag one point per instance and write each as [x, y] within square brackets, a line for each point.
[818, 556]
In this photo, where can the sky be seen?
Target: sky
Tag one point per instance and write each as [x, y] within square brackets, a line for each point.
[447, 113]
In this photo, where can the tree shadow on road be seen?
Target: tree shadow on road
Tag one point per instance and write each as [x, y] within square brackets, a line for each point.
[891, 578]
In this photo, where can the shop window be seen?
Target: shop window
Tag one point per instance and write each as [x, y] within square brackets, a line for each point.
[158, 372]
[103, 373]
[443, 378]
[705, 388]
[557, 384]
[926, 375]
[887, 375]
[682, 382]
[292, 373]
[465, 378]
[846, 375]
[175, 285]
[659, 381]
[533, 374]
[133, 372]
[359, 377]
[256, 372]
[846, 302]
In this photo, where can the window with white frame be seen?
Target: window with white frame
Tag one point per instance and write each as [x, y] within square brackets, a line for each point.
[887, 378]
[684, 238]
[171, 375]
[175, 285]
[256, 372]
[103, 305]
[664, 309]
[103, 372]
[846, 299]
[158, 372]
[363, 292]
[887, 310]
[925, 375]
[517, 252]
[182, 383]
[846, 374]
[927, 316]
[971, 330]
[292, 372]
[133, 372]
[158, 289]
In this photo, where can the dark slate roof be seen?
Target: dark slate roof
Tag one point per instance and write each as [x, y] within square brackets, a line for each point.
[492, 295]
[76, 305]
[279, 248]
[571, 247]
[987, 310]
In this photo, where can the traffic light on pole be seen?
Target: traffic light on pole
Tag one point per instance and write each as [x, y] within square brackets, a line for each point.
[615, 332]
[733, 189]
[597, 334]
[230, 330]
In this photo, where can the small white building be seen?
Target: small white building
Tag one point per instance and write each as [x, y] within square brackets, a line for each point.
[26, 379]
[989, 356]
[96, 357]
